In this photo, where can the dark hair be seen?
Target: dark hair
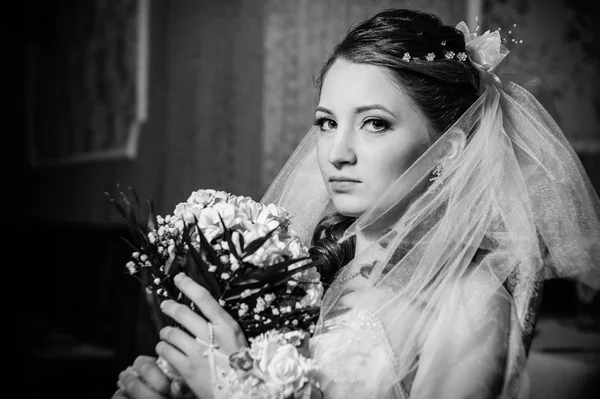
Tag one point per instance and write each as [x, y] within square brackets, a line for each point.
[443, 89]
[325, 248]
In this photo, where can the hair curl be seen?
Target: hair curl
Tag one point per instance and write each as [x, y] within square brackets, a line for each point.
[325, 246]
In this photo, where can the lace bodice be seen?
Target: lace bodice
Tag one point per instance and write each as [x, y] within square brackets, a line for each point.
[355, 358]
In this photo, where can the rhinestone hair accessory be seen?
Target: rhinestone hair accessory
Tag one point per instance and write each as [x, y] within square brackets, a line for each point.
[485, 51]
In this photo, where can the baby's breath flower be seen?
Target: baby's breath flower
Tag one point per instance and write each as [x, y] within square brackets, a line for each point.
[131, 267]
[135, 255]
[144, 257]
[225, 276]
[269, 298]
[212, 268]
[242, 310]
[260, 305]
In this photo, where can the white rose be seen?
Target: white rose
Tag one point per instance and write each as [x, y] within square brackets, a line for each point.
[201, 197]
[313, 296]
[286, 370]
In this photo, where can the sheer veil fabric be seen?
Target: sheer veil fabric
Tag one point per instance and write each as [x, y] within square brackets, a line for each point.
[434, 306]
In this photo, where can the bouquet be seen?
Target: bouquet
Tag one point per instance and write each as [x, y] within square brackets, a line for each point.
[243, 252]
[275, 366]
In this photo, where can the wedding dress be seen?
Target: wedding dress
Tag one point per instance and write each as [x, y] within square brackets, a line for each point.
[436, 312]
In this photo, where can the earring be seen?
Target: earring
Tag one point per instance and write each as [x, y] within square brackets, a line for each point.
[437, 172]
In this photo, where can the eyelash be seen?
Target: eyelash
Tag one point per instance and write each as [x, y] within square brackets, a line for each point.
[321, 121]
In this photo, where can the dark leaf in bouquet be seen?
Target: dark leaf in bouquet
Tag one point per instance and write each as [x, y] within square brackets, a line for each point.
[209, 251]
[260, 274]
[311, 314]
[130, 209]
[150, 222]
[122, 211]
[171, 267]
[274, 280]
[151, 214]
[135, 197]
[204, 278]
[256, 244]
[228, 238]
[133, 246]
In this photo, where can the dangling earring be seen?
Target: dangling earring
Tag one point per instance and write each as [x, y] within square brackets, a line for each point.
[437, 172]
[435, 184]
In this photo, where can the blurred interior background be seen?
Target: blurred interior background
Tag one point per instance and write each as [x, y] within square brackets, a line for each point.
[169, 96]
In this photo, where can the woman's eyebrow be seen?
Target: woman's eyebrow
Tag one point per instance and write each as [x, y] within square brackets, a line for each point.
[358, 110]
[365, 108]
[324, 110]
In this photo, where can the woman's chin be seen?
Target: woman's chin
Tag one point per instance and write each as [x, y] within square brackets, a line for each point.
[349, 207]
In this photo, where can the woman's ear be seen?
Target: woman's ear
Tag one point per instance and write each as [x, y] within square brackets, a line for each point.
[455, 144]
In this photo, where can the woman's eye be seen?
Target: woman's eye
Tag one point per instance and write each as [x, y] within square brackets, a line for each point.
[326, 124]
[376, 125]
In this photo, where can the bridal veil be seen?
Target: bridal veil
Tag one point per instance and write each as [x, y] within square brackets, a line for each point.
[515, 201]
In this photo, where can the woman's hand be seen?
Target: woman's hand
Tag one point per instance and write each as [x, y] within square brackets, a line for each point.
[187, 354]
[143, 380]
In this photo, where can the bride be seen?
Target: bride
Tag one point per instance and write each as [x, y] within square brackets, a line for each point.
[440, 194]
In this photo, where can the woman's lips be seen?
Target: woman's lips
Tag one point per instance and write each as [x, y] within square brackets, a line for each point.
[343, 185]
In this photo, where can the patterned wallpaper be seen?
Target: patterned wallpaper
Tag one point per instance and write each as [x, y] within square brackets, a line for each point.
[298, 36]
[560, 45]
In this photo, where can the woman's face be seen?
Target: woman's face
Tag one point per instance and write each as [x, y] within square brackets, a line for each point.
[371, 132]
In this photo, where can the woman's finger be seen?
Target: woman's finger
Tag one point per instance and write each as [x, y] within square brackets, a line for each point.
[174, 357]
[119, 394]
[207, 304]
[133, 387]
[182, 341]
[151, 374]
[185, 316]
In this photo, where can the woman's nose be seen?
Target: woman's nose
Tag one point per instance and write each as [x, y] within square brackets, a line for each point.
[342, 148]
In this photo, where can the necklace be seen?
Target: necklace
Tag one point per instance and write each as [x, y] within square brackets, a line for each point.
[364, 270]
